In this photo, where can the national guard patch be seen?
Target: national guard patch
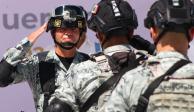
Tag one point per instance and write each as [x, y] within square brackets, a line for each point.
[80, 24]
[95, 9]
[57, 23]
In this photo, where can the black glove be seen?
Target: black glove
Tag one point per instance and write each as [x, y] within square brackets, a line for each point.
[57, 105]
[141, 44]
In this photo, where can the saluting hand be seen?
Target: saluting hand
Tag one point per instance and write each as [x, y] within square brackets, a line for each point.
[34, 35]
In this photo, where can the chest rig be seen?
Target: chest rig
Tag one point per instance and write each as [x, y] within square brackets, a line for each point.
[47, 75]
[119, 63]
[168, 98]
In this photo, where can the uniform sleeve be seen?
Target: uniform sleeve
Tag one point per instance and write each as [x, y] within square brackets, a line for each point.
[66, 93]
[12, 63]
[16, 54]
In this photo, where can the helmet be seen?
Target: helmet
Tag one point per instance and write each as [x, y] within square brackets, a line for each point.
[110, 15]
[168, 14]
[68, 16]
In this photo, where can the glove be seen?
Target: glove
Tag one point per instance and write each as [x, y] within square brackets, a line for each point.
[141, 44]
[57, 105]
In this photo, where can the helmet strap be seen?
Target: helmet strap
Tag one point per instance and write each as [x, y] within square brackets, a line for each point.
[67, 45]
[160, 36]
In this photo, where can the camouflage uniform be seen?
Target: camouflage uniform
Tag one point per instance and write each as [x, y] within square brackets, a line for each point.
[27, 68]
[175, 94]
[85, 78]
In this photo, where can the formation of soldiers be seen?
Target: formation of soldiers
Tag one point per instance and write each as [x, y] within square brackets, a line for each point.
[129, 75]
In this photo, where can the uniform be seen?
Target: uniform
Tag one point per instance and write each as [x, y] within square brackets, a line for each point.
[27, 69]
[174, 94]
[85, 80]
[86, 77]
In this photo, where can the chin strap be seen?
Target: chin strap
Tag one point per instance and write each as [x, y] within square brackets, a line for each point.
[67, 45]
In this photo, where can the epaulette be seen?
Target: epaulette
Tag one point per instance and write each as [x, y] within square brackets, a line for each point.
[93, 56]
[101, 60]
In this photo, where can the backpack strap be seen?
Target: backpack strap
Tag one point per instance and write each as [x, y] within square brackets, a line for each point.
[144, 99]
[113, 80]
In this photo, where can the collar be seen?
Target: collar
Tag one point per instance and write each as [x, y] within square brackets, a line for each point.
[117, 48]
[167, 54]
[53, 58]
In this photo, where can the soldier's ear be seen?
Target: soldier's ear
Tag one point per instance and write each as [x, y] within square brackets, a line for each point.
[99, 36]
[131, 33]
[191, 33]
[153, 33]
[81, 40]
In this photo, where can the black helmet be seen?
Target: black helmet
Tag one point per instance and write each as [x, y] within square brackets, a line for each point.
[111, 15]
[168, 14]
[68, 16]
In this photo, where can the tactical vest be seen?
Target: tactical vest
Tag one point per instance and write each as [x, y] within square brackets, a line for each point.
[173, 96]
[168, 95]
[119, 63]
[47, 76]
